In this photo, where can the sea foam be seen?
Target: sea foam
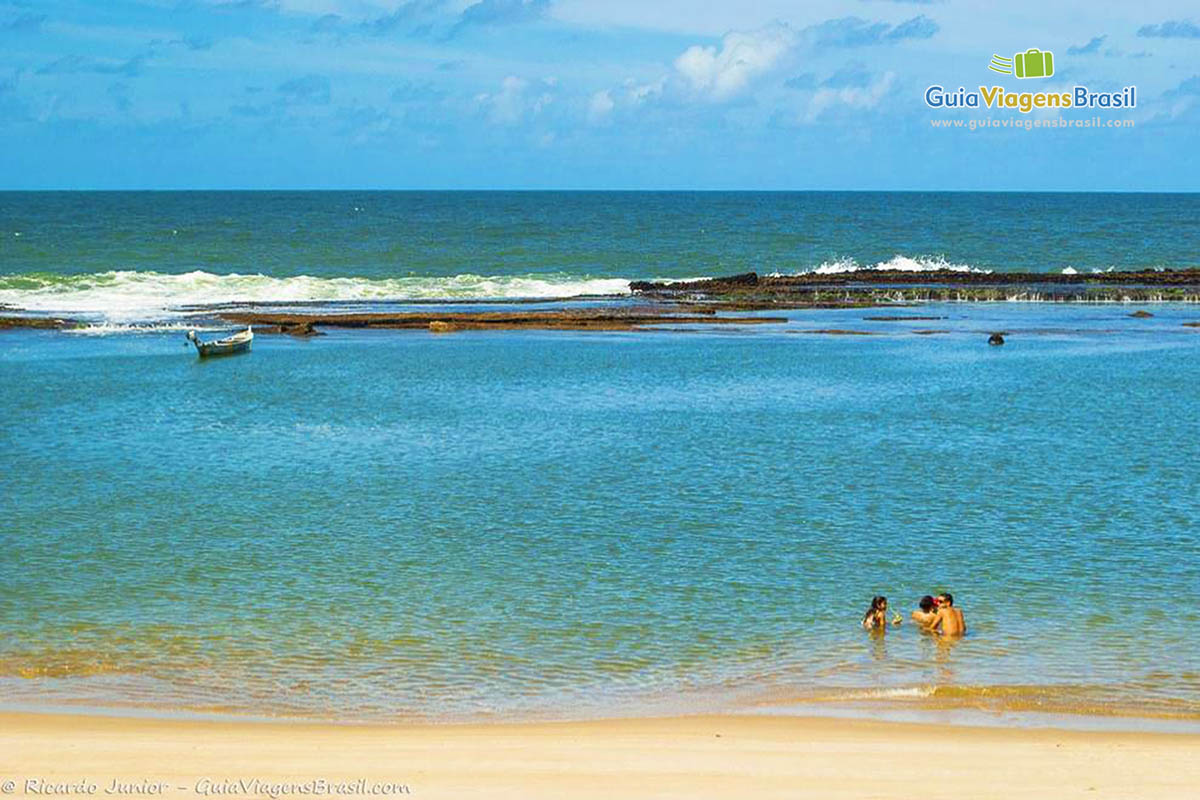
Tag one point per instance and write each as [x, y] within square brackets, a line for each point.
[126, 296]
[897, 263]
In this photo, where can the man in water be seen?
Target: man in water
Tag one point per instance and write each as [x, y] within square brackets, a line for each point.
[948, 620]
[925, 615]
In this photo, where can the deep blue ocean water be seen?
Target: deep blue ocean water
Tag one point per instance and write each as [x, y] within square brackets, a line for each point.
[126, 255]
[379, 525]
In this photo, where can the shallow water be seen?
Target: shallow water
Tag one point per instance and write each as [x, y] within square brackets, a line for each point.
[380, 525]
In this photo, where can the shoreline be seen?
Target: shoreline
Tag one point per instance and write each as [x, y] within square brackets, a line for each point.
[1001, 706]
[682, 756]
[943, 717]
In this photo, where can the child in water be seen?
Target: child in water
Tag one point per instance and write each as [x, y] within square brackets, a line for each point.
[876, 617]
[926, 613]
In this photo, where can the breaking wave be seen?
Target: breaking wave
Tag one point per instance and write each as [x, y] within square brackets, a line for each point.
[126, 296]
[896, 263]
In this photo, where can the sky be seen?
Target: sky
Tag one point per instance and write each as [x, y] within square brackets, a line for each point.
[584, 94]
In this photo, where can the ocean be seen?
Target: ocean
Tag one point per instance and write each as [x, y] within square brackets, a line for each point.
[126, 256]
[386, 525]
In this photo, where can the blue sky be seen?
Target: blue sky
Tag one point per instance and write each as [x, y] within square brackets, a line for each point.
[580, 94]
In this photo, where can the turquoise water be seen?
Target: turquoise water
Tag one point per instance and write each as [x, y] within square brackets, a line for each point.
[385, 525]
[381, 524]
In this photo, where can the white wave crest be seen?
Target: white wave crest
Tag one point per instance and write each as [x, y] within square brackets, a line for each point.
[897, 263]
[108, 328]
[124, 296]
[892, 693]
[835, 267]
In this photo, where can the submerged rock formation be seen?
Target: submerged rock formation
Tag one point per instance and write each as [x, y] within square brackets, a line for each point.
[609, 319]
[46, 323]
[301, 330]
[871, 287]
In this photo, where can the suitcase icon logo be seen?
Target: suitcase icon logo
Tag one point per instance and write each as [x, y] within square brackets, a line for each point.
[1033, 63]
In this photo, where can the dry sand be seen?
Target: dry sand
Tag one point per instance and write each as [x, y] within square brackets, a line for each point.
[702, 756]
[692, 757]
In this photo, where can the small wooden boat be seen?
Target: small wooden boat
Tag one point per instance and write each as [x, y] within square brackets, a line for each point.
[238, 343]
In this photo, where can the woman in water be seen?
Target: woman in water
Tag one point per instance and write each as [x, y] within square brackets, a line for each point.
[876, 617]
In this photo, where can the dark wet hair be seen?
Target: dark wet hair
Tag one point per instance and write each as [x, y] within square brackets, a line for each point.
[926, 604]
[949, 598]
[876, 603]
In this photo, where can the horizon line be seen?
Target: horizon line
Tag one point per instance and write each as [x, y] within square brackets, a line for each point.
[612, 190]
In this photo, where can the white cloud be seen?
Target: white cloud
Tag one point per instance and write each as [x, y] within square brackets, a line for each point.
[643, 92]
[516, 100]
[631, 95]
[601, 106]
[859, 97]
[721, 74]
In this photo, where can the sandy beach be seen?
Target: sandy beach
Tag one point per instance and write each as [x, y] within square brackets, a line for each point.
[532, 399]
[696, 756]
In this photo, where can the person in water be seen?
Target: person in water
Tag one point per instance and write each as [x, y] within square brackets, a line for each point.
[876, 618]
[948, 621]
[926, 612]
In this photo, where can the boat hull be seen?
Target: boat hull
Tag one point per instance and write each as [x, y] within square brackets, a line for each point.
[212, 349]
[238, 343]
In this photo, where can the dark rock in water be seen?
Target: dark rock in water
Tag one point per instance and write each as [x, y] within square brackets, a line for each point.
[995, 339]
[604, 319]
[839, 332]
[1141, 315]
[300, 329]
[43, 323]
[873, 288]
[723, 284]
